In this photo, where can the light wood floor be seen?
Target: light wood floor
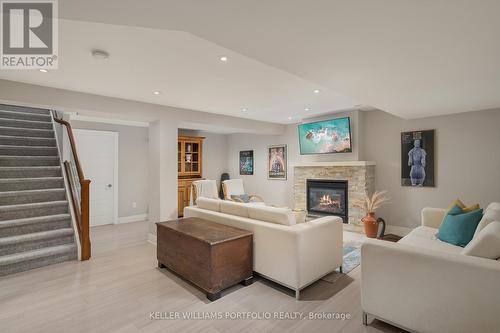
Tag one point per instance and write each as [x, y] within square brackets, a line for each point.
[121, 285]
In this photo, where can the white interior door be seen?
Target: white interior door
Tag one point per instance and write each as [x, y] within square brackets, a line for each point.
[98, 153]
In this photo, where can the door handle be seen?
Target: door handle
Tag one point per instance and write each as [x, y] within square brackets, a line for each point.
[109, 185]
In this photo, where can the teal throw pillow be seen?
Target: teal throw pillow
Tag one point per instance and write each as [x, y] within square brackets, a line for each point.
[458, 227]
[455, 210]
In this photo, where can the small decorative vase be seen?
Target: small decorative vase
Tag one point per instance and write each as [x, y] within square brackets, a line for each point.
[371, 225]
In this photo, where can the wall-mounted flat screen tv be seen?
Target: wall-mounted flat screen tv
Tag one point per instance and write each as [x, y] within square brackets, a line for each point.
[325, 137]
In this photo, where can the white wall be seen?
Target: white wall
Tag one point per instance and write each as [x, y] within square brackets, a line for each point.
[133, 166]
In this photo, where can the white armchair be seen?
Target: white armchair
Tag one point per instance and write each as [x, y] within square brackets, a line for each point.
[433, 217]
[425, 285]
[234, 187]
[206, 188]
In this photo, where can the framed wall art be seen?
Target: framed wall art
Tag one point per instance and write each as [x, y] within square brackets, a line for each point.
[277, 162]
[417, 158]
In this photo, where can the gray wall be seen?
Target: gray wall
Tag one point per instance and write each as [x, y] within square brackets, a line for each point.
[467, 162]
[467, 148]
[133, 165]
[164, 122]
[215, 157]
[273, 191]
[280, 192]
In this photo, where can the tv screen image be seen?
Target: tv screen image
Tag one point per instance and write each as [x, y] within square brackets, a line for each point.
[325, 137]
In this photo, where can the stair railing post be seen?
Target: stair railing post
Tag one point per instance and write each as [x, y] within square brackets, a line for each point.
[85, 206]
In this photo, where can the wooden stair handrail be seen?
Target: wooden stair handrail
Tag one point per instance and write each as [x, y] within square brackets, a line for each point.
[82, 213]
[73, 146]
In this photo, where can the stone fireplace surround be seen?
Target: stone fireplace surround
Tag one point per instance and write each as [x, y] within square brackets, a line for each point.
[360, 176]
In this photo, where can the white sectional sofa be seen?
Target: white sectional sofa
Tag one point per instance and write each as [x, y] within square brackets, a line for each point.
[291, 254]
[424, 285]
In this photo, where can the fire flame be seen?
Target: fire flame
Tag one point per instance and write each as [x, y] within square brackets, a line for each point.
[326, 200]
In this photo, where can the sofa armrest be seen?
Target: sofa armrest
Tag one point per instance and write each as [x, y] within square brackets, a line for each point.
[319, 250]
[429, 291]
[433, 217]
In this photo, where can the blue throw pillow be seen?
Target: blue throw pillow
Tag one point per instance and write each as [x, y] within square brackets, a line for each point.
[245, 198]
[458, 227]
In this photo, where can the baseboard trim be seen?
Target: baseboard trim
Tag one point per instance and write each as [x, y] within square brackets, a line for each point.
[133, 218]
[389, 229]
[152, 238]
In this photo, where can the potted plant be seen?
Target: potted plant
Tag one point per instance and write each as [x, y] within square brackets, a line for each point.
[370, 204]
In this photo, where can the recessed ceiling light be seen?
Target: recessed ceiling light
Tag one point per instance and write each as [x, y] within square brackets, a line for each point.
[100, 54]
[244, 109]
[307, 109]
[316, 91]
[43, 70]
[157, 92]
[223, 58]
[289, 118]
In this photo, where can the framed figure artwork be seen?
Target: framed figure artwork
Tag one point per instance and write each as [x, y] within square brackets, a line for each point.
[277, 162]
[417, 158]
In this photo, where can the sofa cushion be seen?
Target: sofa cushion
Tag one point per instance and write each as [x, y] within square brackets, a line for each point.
[209, 203]
[283, 216]
[233, 208]
[425, 237]
[491, 213]
[486, 244]
[459, 229]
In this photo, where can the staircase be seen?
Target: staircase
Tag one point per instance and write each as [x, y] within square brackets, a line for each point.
[35, 224]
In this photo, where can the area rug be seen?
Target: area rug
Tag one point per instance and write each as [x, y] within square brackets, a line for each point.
[351, 260]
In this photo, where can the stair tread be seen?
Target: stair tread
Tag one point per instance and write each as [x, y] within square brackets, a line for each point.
[23, 192]
[32, 171]
[28, 147]
[26, 180]
[19, 161]
[11, 157]
[44, 130]
[41, 138]
[33, 220]
[25, 113]
[34, 205]
[36, 236]
[24, 109]
[22, 115]
[25, 121]
[36, 254]
[37, 167]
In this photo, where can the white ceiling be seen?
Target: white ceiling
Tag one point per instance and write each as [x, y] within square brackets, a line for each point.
[410, 58]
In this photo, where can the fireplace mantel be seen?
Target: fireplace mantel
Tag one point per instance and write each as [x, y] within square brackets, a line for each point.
[330, 164]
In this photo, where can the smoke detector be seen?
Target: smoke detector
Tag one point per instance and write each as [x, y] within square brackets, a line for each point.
[100, 54]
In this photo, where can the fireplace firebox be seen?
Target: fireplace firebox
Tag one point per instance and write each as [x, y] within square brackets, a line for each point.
[327, 197]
